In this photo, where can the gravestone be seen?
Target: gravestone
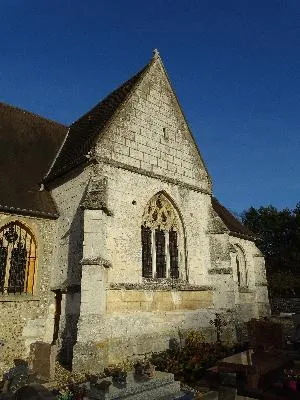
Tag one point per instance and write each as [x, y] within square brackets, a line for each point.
[266, 335]
[42, 358]
[162, 385]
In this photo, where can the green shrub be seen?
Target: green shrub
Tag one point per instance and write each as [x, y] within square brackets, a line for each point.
[189, 361]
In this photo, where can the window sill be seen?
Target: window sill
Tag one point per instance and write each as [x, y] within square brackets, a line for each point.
[160, 284]
[243, 289]
[220, 271]
[18, 297]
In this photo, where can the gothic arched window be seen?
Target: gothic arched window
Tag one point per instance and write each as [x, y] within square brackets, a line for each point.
[17, 259]
[241, 267]
[160, 231]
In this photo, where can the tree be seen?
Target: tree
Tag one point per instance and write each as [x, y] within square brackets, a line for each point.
[278, 237]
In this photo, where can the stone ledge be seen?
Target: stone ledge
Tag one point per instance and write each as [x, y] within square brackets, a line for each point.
[163, 178]
[66, 288]
[160, 284]
[18, 297]
[246, 290]
[95, 261]
[220, 271]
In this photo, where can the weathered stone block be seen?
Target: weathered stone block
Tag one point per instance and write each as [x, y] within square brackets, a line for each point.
[119, 148]
[133, 295]
[90, 357]
[42, 359]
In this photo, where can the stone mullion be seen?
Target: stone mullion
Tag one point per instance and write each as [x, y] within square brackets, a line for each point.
[153, 245]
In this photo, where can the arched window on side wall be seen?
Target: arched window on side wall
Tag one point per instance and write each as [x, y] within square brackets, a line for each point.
[241, 267]
[17, 259]
[161, 233]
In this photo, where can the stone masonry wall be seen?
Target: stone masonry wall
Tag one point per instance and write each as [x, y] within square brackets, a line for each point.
[123, 301]
[28, 318]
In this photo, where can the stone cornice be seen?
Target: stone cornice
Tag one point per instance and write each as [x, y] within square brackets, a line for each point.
[159, 284]
[144, 172]
[220, 271]
[96, 261]
[28, 212]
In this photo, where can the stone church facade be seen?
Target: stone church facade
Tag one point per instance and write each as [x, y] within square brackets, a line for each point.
[111, 242]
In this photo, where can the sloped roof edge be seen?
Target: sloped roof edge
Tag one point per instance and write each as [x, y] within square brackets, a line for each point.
[82, 133]
[235, 227]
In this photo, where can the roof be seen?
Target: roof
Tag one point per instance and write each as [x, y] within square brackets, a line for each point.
[235, 227]
[28, 146]
[83, 132]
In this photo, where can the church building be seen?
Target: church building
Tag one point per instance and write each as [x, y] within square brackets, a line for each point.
[111, 242]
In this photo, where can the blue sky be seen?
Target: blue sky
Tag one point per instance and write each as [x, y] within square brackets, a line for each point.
[235, 66]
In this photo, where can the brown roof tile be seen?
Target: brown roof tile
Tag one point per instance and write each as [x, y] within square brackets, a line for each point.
[28, 144]
[83, 132]
[235, 227]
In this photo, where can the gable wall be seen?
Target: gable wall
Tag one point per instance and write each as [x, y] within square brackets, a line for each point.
[136, 135]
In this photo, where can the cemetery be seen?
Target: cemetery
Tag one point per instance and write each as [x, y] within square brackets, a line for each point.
[266, 365]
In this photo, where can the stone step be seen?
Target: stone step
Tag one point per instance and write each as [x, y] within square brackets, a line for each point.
[166, 392]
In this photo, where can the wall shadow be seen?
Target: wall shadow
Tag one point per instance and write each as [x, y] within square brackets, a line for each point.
[71, 292]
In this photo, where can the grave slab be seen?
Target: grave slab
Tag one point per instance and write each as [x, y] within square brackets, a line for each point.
[161, 386]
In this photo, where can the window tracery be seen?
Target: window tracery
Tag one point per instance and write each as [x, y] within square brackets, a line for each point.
[17, 259]
[160, 233]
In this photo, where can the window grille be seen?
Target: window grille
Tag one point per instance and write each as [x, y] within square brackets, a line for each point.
[17, 259]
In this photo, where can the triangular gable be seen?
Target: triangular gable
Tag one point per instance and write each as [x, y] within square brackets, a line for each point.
[149, 132]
